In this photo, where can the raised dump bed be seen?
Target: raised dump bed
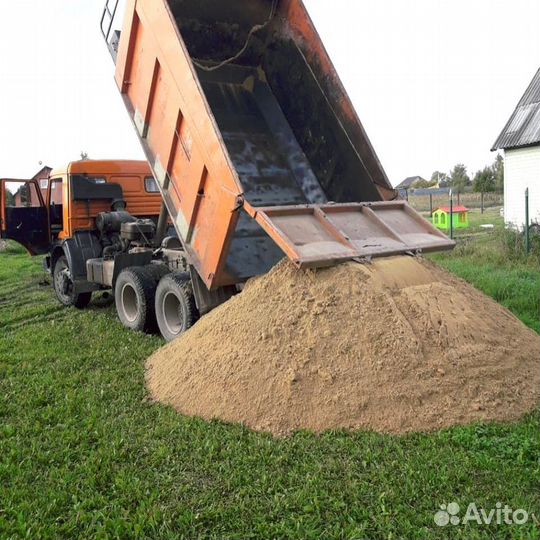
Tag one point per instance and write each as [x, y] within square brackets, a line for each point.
[252, 139]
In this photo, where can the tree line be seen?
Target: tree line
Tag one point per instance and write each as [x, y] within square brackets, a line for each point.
[488, 179]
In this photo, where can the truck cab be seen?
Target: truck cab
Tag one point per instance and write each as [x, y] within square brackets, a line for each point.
[42, 214]
[56, 217]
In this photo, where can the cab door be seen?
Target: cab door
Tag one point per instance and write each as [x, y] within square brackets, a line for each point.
[23, 215]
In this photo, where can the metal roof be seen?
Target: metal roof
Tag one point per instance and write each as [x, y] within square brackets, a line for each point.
[408, 182]
[523, 128]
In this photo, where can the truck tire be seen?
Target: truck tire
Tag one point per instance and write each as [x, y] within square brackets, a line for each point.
[134, 295]
[176, 311]
[157, 271]
[63, 286]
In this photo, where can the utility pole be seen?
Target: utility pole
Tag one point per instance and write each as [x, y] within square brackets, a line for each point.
[527, 232]
[451, 215]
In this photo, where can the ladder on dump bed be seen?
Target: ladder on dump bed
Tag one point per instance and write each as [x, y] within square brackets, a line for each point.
[106, 26]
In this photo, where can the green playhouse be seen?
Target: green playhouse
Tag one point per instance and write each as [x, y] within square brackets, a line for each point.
[460, 217]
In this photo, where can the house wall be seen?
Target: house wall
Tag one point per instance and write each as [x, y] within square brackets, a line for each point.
[42, 178]
[521, 170]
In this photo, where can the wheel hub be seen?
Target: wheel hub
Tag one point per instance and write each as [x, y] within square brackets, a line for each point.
[63, 282]
[130, 302]
[173, 313]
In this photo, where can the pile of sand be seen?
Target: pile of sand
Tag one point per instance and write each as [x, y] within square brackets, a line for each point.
[395, 346]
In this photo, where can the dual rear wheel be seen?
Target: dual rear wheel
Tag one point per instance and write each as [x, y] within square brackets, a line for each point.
[147, 298]
[150, 297]
[134, 298]
[175, 306]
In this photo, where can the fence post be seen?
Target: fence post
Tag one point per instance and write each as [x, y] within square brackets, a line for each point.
[527, 232]
[430, 204]
[482, 202]
[451, 215]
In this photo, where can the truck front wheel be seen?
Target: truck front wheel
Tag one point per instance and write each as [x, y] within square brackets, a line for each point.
[176, 311]
[134, 294]
[63, 286]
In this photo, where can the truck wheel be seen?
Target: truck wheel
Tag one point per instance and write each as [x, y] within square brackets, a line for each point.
[157, 271]
[63, 286]
[176, 311]
[134, 295]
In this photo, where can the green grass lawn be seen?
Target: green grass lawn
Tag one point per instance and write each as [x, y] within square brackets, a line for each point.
[83, 453]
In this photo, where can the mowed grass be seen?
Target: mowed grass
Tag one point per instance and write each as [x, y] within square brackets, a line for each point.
[84, 454]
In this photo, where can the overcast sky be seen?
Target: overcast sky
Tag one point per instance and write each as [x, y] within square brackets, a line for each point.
[433, 81]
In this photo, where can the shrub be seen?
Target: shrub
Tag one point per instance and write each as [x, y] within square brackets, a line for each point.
[512, 243]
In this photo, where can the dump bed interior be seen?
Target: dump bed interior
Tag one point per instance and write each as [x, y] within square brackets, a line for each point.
[288, 125]
[284, 132]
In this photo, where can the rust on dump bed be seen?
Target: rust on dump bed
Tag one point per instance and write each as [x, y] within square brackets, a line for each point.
[238, 107]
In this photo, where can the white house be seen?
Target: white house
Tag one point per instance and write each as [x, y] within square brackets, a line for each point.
[520, 140]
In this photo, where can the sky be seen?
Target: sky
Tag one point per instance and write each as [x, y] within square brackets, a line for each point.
[433, 81]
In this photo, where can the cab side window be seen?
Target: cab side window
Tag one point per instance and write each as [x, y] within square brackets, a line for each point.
[150, 185]
[55, 205]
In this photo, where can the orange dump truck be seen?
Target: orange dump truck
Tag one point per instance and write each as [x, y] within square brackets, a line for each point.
[253, 141]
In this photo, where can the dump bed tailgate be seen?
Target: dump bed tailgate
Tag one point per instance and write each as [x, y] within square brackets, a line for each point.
[322, 235]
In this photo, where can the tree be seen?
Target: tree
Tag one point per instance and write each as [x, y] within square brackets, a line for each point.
[498, 171]
[459, 178]
[439, 176]
[484, 180]
[10, 199]
[423, 184]
[490, 178]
